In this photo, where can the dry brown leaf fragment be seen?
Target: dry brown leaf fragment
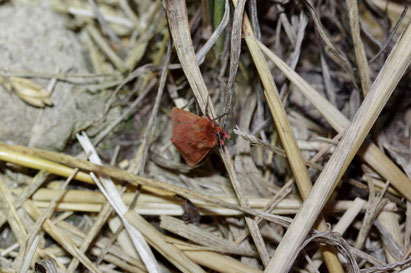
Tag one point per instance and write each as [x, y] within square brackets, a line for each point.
[191, 213]
[29, 91]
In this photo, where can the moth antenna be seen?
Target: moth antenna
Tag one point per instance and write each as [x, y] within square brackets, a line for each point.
[220, 116]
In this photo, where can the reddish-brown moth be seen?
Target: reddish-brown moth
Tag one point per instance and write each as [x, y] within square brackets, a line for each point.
[194, 136]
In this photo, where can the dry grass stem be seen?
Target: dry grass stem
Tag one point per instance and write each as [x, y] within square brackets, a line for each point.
[280, 94]
[7, 152]
[202, 237]
[369, 152]
[389, 227]
[108, 51]
[381, 90]
[284, 130]
[157, 240]
[178, 23]
[104, 213]
[11, 214]
[53, 231]
[358, 46]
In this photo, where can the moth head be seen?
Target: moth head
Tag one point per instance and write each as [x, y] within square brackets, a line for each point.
[220, 133]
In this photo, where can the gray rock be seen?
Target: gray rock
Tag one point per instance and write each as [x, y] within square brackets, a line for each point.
[34, 38]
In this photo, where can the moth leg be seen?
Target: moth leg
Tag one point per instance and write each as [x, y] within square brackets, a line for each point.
[221, 135]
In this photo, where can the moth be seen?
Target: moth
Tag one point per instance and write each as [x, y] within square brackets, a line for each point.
[194, 136]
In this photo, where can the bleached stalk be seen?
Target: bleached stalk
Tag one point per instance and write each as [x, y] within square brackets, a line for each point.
[379, 94]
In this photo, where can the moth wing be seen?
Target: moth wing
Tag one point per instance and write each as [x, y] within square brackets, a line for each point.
[182, 116]
[189, 148]
[195, 157]
[198, 135]
[193, 136]
[183, 122]
[204, 134]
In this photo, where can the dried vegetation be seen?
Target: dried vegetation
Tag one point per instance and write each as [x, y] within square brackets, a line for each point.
[316, 177]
